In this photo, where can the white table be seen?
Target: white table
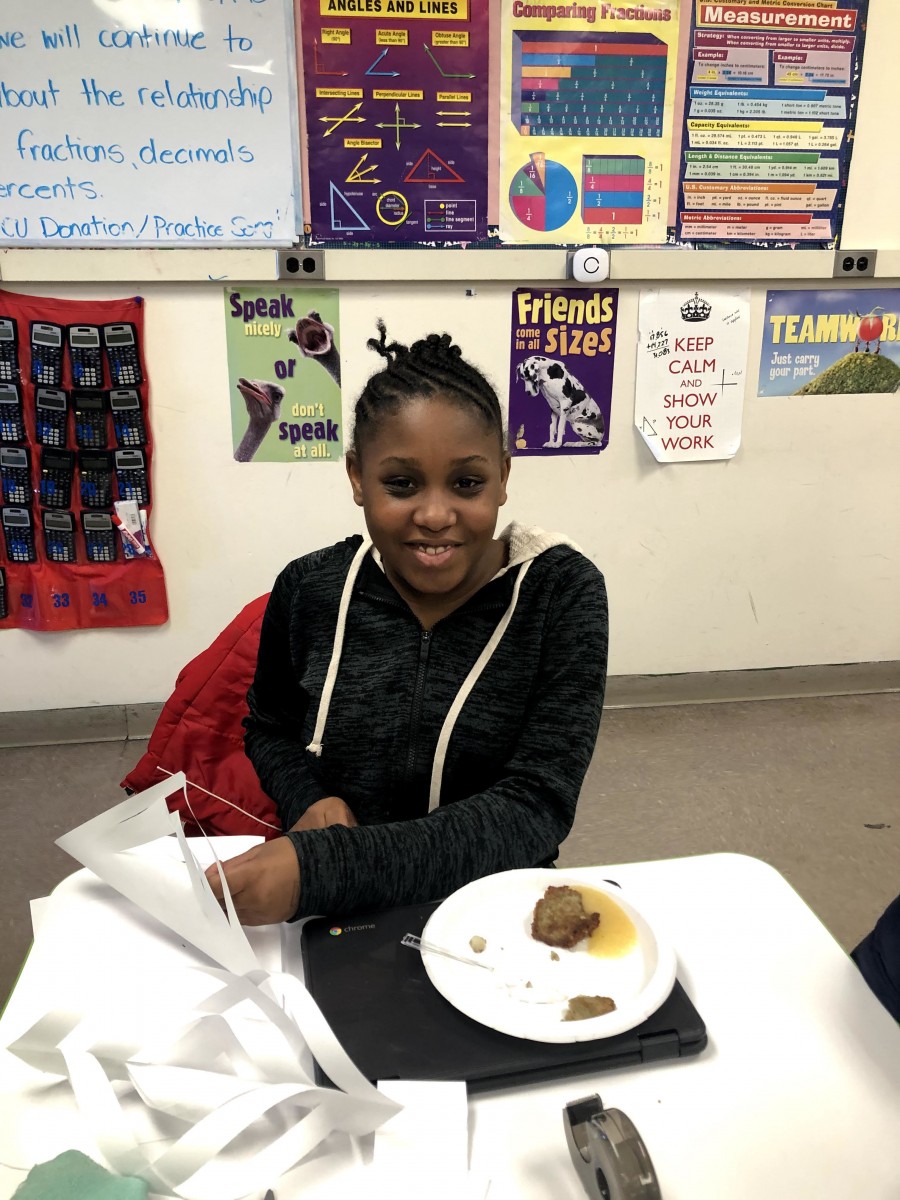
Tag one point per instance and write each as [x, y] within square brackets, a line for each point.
[796, 1097]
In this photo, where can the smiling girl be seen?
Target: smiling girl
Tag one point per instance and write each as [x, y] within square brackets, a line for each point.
[426, 699]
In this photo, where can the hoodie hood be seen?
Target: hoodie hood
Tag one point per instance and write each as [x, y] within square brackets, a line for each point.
[525, 543]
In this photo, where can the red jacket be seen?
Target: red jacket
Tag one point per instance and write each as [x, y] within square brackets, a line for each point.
[199, 732]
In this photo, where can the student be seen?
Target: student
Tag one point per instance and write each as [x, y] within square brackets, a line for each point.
[426, 702]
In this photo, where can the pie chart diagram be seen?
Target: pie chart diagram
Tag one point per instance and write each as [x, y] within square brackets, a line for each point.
[543, 193]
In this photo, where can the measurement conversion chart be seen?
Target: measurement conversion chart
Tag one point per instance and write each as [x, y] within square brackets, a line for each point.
[586, 98]
[768, 120]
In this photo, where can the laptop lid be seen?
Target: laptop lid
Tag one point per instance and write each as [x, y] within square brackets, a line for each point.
[394, 1024]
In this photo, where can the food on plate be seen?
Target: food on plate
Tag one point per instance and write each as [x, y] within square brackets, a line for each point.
[554, 956]
[581, 1008]
[560, 919]
[478, 943]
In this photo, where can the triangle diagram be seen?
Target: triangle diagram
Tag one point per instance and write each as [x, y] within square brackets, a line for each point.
[431, 168]
[343, 214]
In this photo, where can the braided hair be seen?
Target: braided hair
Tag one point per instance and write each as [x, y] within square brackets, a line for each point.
[429, 367]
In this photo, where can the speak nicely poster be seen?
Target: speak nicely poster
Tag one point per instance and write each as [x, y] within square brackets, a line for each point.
[284, 374]
[561, 370]
[691, 372]
[396, 96]
[830, 343]
[586, 110]
[769, 115]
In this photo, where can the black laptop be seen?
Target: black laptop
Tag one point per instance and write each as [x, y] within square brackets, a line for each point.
[394, 1024]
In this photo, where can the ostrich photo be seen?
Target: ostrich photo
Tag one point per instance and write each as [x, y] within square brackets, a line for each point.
[263, 400]
[314, 338]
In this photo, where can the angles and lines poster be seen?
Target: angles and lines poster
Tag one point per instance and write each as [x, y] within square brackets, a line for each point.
[396, 119]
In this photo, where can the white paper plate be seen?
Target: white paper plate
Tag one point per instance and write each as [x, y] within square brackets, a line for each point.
[499, 908]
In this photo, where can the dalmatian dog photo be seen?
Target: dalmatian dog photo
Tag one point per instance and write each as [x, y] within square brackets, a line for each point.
[568, 401]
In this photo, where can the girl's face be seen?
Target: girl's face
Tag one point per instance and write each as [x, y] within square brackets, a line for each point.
[430, 479]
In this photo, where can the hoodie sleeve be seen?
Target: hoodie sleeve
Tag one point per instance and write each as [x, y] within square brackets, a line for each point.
[273, 738]
[520, 820]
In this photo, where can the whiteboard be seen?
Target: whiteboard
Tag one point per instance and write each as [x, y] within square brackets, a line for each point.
[148, 123]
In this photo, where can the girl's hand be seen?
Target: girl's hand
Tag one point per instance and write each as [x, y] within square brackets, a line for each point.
[264, 882]
[330, 811]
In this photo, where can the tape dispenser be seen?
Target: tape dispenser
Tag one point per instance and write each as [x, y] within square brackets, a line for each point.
[608, 1152]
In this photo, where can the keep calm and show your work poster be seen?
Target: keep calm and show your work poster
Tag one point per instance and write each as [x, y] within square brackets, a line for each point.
[284, 374]
[396, 119]
[691, 372]
[586, 96]
[830, 343]
[561, 370]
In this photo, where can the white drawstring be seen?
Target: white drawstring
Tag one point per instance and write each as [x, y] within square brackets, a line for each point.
[440, 753]
[315, 746]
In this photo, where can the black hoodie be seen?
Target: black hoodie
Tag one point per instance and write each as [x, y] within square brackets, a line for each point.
[358, 708]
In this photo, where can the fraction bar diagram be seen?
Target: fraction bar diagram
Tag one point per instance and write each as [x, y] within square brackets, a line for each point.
[583, 84]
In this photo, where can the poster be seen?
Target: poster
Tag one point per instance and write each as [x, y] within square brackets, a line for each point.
[586, 96]
[284, 374]
[769, 115]
[691, 372]
[830, 343]
[561, 370]
[396, 119]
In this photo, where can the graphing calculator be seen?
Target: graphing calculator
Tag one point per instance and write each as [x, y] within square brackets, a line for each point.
[15, 474]
[59, 536]
[9, 351]
[122, 355]
[99, 536]
[128, 419]
[85, 356]
[95, 470]
[12, 426]
[51, 411]
[19, 533]
[131, 476]
[4, 603]
[46, 353]
[57, 470]
[90, 420]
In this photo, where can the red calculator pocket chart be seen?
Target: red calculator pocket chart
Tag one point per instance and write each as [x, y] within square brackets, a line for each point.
[76, 451]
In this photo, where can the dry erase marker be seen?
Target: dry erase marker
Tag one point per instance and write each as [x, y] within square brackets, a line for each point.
[135, 543]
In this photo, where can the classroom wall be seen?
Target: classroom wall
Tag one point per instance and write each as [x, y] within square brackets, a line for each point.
[785, 555]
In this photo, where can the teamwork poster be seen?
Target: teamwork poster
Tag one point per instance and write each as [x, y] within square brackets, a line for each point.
[561, 370]
[284, 374]
[586, 95]
[691, 372]
[396, 119]
[769, 116]
[831, 343]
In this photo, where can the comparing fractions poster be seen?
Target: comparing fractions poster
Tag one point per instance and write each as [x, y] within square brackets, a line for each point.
[586, 100]
[772, 88]
[396, 119]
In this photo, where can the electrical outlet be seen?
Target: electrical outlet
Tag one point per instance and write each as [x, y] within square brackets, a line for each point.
[300, 264]
[854, 264]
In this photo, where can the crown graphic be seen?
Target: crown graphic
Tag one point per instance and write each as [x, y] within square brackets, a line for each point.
[695, 309]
